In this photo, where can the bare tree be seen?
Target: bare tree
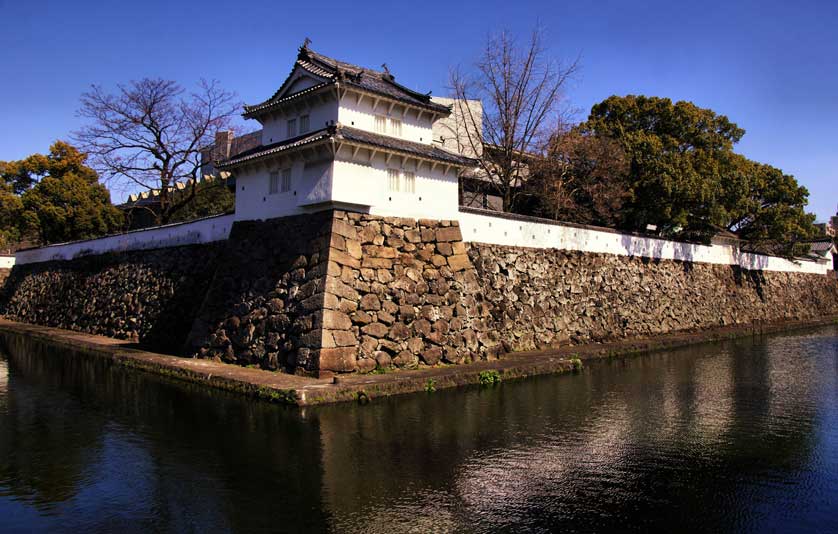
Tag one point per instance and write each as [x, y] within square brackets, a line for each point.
[521, 89]
[580, 178]
[150, 135]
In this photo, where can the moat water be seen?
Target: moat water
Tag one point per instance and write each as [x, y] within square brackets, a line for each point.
[740, 436]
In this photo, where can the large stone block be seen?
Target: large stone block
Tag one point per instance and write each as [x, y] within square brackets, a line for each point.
[338, 360]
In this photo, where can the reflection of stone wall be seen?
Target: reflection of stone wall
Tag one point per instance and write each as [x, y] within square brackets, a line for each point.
[148, 296]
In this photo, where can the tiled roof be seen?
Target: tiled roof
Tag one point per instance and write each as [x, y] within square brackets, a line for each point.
[275, 148]
[400, 145]
[355, 136]
[364, 79]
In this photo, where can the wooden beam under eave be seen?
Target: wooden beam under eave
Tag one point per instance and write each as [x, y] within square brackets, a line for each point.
[390, 109]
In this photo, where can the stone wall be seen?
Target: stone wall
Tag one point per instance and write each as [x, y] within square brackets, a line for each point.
[146, 296]
[264, 306]
[337, 292]
[400, 292]
[540, 298]
[4, 274]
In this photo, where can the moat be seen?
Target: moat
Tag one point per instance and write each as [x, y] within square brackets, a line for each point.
[733, 436]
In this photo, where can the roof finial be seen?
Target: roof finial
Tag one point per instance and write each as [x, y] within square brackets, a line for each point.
[384, 66]
[306, 43]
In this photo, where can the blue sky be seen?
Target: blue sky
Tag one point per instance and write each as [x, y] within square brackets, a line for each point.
[772, 67]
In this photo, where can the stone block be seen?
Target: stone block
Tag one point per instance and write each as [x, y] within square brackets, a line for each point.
[452, 233]
[335, 320]
[338, 360]
[459, 262]
[342, 258]
[344, 338]
[432, 355]
[377, 330]
[377, 263]
[370, 302]
[353, 248]
[344, 229]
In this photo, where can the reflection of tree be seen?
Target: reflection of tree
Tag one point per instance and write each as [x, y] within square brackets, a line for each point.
[46, 443]
[123, 446]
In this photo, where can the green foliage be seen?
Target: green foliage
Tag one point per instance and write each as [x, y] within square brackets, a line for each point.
[489, 378]
[11, 214]
[361, 397]
[211, 198]
[281, 396]
[59, 198]
[685, 178]
[430, 385]
[577, 364]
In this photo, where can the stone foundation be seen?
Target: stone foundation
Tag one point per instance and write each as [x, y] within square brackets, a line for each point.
[146, 296]
[337, 292]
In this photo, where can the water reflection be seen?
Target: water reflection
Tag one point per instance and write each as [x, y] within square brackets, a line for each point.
[733, 436]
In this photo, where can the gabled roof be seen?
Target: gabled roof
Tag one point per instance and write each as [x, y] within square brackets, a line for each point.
[354, 136]
[333, 71]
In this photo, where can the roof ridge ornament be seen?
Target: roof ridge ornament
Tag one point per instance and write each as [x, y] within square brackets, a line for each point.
[387, 74]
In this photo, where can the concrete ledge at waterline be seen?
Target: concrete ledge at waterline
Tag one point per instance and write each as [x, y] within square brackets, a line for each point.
[305, 391]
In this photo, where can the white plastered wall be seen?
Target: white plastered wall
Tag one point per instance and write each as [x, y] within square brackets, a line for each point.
[362, 116]
[190, 233]
[503, 231]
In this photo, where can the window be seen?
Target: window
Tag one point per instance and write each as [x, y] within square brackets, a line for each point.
[292, 127]
[409, 185]
[396, 127]
[303, 124]
[380, 124]
[393, 180]
[273, 184]
[401, 181]
[286, 181]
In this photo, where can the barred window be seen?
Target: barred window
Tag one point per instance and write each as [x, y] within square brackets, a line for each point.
[292, 127]
[303, 124]
[380, 124]
[286, 181]
[396, 127]
[273, 184]
[409, 182]
[393, 180]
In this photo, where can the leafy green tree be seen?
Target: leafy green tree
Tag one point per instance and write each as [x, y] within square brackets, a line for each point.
[11, 214]
[55, 197]
[685, 178]
[212, 197]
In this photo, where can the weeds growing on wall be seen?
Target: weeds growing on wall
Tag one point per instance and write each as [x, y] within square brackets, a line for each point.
[489, 378]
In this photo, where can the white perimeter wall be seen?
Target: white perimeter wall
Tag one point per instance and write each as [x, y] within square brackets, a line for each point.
[478, 228]
[172, 235]
[502, 231]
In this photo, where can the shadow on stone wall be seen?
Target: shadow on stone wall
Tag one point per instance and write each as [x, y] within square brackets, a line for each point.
[148, 296]
[266, 298]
